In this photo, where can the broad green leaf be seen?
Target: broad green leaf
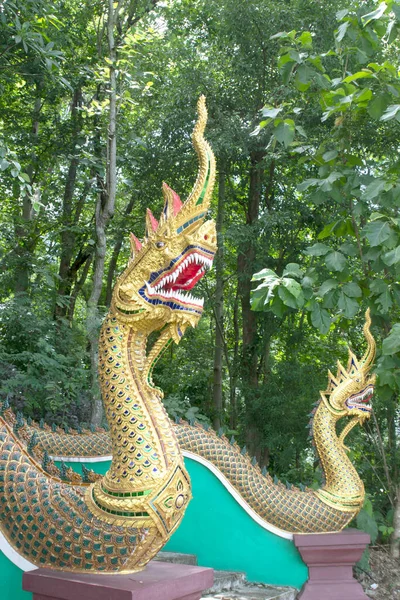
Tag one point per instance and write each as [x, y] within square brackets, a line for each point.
[320, 318]
[375, 14]
[377, 286]
[352, 290]
[342, 13]
[391, 344]
[307, 183]
[293, 270]
[292, 286]
[284, 133]
[305, 39]
[287, 296]
[262, 295]
[377, 106]
[374, 189]
[327, 286]
[341, 32]
[358, 75]
[327, 230]
[391, 112]
[349, 306]
[376, 232]
[392, 257]
[330, 155]
[301, 131]
[263, 274]
[270, 112]
[335, 261]
[317, 250]
[384, 298]
[349, 249]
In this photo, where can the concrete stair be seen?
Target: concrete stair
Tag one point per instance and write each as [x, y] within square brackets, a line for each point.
[232, 585]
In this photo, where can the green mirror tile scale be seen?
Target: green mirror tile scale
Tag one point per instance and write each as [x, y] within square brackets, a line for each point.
[117, 521]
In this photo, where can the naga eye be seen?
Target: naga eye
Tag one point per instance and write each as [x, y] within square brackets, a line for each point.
[160, 244]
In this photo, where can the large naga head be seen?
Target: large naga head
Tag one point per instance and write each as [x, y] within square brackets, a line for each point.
[350, 392]
[156, 287]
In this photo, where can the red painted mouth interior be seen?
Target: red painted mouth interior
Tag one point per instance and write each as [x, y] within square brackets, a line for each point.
[187, 279]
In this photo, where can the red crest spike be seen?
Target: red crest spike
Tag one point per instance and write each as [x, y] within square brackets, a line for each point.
[135, 243]
[177, 202]
[171, 199]
[152, 220]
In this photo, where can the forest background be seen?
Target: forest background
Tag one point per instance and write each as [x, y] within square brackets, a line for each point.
[96, 109]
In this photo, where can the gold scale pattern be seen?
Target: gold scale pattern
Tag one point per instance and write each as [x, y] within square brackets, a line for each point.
[329, 509]
[119, 522]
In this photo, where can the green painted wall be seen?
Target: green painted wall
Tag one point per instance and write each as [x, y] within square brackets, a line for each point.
[216, 529]
[11, 581]
[224, 536]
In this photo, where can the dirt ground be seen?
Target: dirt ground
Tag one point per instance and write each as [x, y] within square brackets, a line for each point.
[383, 580]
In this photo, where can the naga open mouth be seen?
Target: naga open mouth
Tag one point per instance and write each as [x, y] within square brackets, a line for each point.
[171, 286]
[361, 400]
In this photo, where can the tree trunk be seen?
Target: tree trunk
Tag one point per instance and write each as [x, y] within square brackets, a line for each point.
[395, 537]
[77, 287]
[104, 212]
[68, 235]
[219, 306]
[235, 365]
[114, 257]
[246, 267]
[23, 228]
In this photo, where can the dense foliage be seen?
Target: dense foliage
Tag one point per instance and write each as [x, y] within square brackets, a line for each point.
[97, 104]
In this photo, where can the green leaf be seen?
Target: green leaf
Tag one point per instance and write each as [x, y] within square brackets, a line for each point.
[349, 249]
[264, 274]
[307, 183]
[305, 39]
[367, 523]
[327, 286]
[301, 131]
[327, 230]
[352, 290]
[320, 318]
[391, 344]
[335, 261]
[374, 15]
[374, 189]
[342, 13]
[284, 133]
[4, 164]
[391, 112]
[377, 232]
[330, 155]
[290, 293]
[317, 250]
[392, 258]
[293, 270]
[358, 75]
[341, 32]
[377, 107]
[270, 112]
[347, 305]
[381, 290]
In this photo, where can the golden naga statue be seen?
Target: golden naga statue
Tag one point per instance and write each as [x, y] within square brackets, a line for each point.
[119, 522]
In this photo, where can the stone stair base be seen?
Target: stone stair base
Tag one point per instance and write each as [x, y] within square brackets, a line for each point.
[231, 585]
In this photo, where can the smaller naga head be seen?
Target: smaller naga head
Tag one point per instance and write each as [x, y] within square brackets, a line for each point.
[156, 287]
[350, 392]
